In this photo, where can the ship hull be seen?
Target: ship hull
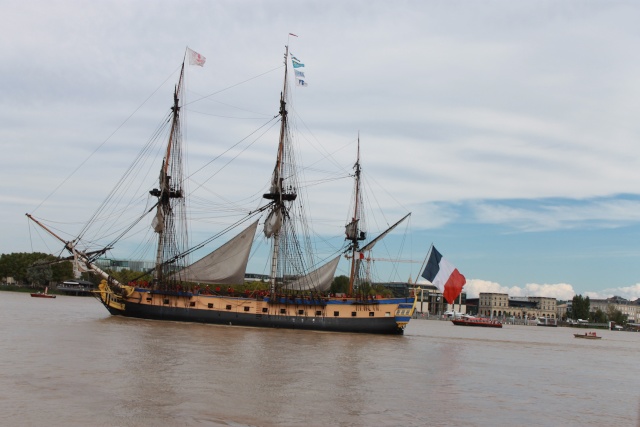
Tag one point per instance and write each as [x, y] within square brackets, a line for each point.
[386, 316]
[383, 326]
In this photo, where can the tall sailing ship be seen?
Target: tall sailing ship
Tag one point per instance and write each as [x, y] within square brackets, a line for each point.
[297, 295]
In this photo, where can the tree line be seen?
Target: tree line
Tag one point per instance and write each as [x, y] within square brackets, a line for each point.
[34, 268]
[581, 309]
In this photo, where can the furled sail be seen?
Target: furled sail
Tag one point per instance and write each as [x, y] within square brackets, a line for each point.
[226, 265]
[79, 265]
[273, 223]
[352, 232]
[158, 220]
[318, 280]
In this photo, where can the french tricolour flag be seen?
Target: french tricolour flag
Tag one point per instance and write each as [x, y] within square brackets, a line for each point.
[444, 276]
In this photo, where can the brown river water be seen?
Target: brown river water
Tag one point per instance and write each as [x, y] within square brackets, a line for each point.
[67, 362]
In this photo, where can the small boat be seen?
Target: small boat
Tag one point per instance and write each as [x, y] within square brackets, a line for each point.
[588, 336]
[547, 321]
[44, 294]
[477, 321]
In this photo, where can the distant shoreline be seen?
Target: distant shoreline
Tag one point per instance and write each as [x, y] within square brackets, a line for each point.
[27, 289]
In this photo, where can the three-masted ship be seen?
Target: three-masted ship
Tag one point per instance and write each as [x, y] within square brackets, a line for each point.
[297, 295]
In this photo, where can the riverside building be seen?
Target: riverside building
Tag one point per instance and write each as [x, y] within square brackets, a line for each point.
[500, 305]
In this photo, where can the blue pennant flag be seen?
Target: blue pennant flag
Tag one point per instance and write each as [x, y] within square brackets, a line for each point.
[297, 64]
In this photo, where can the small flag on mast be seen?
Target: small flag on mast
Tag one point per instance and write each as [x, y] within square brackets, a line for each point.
[195, 58]
[299, 74]
[291, 34]
[444, 276]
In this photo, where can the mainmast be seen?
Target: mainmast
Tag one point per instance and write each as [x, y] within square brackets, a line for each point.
[278, 194]
[169, 193]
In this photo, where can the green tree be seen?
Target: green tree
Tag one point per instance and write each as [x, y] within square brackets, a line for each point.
[61, 271]
[599, 316]
[381, 290]
[580, 307]
[615, 315]
[125, 276]
[39, 273]
[339, 285]
[17, 265]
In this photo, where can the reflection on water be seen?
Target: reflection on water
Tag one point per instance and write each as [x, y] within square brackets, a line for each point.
[68, 362]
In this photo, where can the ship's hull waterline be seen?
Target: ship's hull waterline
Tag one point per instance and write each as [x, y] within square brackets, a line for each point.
[380, 316]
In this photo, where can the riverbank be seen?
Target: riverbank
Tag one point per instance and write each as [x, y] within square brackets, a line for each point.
[28, 289]
[528, 322]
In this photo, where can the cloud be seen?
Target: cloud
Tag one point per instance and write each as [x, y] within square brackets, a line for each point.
[631, 293]
[561, 291]
[554, 213]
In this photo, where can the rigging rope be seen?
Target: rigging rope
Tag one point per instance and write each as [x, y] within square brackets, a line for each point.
[232, 86]
[103, 142]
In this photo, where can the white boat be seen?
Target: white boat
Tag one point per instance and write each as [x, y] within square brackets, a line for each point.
[547, 321]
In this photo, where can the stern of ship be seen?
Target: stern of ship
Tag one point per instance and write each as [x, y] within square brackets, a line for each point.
[404, 313]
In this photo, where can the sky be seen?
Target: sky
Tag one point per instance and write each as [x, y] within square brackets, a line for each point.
[508, 129]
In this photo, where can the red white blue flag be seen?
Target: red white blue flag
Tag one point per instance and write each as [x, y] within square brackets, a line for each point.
[444, 276]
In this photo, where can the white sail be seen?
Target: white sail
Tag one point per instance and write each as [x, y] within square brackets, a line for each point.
[226, 265]
[158, 221]
[318, 280]
[273, 223]
[79, 266]
[372, 243]
[351, 230]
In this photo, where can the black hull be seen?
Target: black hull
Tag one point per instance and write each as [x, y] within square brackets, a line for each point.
[363, 325]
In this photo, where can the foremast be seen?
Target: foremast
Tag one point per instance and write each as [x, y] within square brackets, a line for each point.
[278, 194]
[170, 218]
[170, 222]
